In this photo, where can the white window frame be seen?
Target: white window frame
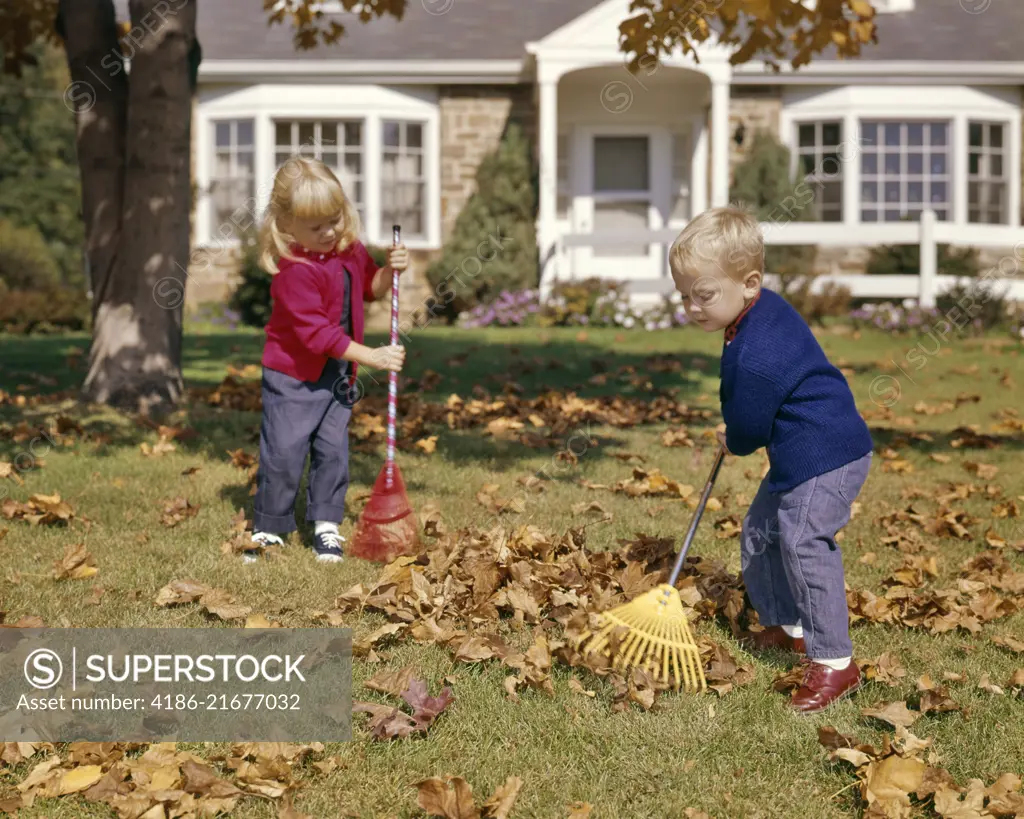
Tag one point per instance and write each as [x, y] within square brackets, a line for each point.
[987, 151]
[244, 220]
[341, 150]
[903, 176]
[823, 172]
[404, 149]
[323, 102]
[958, 104]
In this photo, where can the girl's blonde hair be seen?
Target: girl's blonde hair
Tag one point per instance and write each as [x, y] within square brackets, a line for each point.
[303, 189]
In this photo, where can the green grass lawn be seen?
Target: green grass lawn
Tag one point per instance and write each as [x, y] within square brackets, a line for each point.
[739, 755]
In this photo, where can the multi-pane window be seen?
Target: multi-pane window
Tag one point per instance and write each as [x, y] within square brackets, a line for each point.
[337, 143]
[987, 169]
[403, 178]
[905, 167]
[821, 167]
[232, 181]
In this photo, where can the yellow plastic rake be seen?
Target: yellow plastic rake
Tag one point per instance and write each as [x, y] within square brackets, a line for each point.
[659, 638]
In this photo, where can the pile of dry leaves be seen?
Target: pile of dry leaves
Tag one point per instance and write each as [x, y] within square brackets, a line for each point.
[903, 776]
[988, 588]
[162, 781]
[477, 592]
[508, 416]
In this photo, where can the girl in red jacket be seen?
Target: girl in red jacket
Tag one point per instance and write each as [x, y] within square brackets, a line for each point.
[322, 275]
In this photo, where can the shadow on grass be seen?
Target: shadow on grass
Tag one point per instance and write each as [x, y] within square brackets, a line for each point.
[942, 441]
[485, 365]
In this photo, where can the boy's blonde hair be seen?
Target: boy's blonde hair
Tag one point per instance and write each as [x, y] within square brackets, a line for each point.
[728, 237]
[303, 189]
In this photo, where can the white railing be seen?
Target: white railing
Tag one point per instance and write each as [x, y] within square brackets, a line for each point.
[928, 233]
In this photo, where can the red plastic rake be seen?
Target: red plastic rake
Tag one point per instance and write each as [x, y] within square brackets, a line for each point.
[387, 527]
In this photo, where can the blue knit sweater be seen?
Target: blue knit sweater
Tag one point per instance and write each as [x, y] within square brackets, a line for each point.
[778, 390]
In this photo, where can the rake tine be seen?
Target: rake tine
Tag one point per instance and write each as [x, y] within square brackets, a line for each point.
[658, 637]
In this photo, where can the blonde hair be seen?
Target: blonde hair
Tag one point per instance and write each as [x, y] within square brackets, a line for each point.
[728, 237]
[303, 189]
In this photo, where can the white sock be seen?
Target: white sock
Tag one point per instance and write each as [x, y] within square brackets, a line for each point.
[323, 526]
[796, 632]
[838, 665]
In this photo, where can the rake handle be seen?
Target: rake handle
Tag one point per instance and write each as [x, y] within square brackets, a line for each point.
[392, 375]
[698, 513]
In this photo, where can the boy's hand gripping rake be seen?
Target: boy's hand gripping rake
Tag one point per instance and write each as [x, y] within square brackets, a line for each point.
[659, 638]
[387, 527]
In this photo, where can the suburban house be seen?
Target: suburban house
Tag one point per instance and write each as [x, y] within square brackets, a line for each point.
[405, 110]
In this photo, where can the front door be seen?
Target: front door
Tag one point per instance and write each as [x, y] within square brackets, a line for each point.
[623, 198]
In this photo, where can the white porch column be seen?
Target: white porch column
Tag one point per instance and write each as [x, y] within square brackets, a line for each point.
[699, 166]
[719, 139]
[264, 159]
[547, 200]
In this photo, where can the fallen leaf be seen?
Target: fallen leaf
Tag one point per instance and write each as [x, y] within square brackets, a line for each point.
[1010, 643]
[984, 471]
[77, 564]
[893, 779]
[427, 445]
[391, 682]
[895, 713]
[499, 804]
[450, 798]
[986, 685]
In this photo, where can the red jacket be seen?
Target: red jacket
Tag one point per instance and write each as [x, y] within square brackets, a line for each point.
[304, 328]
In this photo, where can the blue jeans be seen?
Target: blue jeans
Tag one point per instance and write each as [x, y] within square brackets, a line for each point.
[303, 418]
[791, 564]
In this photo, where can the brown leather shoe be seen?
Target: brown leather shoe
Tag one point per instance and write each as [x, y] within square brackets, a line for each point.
[822, 686]
[772, 637]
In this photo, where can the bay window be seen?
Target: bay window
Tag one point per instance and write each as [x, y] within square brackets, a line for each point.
[232, 178]
[874, 155]
[821, 166]
[987, 167]
[905, 167]
[336, 143]
[403, 179]
[387, 162]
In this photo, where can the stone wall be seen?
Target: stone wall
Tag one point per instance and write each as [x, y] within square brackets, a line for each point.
[473, 120]
[758, 109]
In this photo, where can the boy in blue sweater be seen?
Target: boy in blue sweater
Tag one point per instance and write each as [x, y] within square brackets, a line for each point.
[779, 391]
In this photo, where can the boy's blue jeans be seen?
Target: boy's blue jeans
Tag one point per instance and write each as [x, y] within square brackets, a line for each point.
[791, 564]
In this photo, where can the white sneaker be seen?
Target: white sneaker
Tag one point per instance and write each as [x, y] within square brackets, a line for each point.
[263, 539]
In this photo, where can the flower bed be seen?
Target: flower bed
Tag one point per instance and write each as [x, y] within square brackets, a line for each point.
[904, 318]
[602, 304]
[576, 304]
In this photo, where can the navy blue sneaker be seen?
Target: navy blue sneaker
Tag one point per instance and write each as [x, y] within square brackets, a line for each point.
[327, 546]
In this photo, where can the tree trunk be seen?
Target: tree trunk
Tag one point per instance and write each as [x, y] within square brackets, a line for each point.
[99, 95]
[135, 356]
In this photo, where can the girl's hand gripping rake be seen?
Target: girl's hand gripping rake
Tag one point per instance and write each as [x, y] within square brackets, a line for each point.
[387, 527]
[658, 637]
